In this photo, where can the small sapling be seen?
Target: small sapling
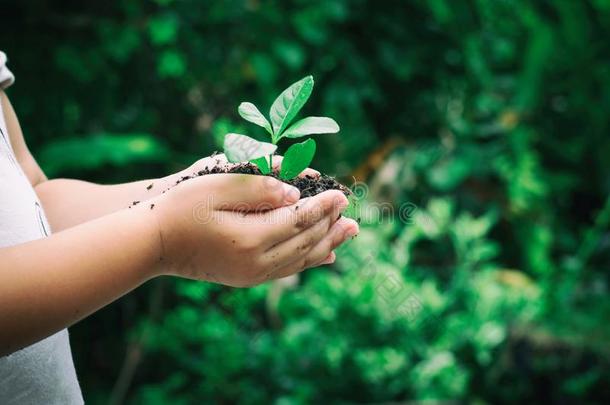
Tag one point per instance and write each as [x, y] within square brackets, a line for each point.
[242, 148]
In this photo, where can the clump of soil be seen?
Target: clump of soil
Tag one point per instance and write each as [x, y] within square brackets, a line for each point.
[308, 185]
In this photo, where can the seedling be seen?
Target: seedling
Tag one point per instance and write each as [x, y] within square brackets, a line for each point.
[242, 148]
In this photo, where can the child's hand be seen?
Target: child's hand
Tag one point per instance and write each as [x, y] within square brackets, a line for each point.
[242, 230]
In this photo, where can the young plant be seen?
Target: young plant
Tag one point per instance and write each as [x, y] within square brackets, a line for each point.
[242, 148]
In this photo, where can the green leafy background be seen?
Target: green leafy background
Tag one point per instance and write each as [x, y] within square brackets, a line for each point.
[479, 132]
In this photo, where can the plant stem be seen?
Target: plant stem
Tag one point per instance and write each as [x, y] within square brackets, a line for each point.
[273, 141]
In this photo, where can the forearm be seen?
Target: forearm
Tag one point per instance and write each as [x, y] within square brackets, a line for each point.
[68, 203]
[71, 202]
[49, 284]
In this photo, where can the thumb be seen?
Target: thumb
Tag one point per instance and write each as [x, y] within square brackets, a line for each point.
[242, 192]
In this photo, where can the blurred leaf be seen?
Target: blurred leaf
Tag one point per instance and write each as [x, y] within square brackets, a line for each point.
[449, 173]
[120, 40]
[171, 64]
[291, 53]
[98, 150]
[163, 29]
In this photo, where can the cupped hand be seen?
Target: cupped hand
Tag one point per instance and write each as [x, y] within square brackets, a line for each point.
[241, 230]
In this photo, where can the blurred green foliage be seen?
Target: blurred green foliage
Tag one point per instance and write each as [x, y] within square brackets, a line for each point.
[489, 122]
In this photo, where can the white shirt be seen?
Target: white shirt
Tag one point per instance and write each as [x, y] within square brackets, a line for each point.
[44, 372]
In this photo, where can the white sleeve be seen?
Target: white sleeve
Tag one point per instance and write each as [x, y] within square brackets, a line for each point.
[6, 77]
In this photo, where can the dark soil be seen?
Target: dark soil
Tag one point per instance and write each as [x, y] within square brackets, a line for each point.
[308, 185]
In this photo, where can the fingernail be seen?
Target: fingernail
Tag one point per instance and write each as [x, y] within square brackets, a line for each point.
[291, 194]
[352, 230]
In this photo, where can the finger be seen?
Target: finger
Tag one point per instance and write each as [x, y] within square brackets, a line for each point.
[277, 164]
[242, 192]
[342, 230]
[207, 163]
[330, 259]
[217, 160]
[291, 220]
[297, 247]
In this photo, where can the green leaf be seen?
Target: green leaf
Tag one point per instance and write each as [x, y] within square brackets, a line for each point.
[311, 125]
[249, 112]
[289, 103]
[163, 29]
[242, 148]
[297, 158]
[171, 64]
[262, 164]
